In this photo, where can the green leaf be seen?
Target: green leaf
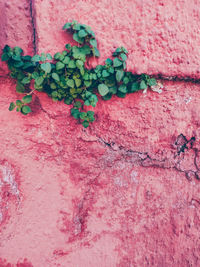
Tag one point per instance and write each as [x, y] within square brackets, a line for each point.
[143, 85]
[55, 77]
[16, 57]
[27, 99]
[49, 56]
[5, 57]
[103, 89]
[27, 58]
[70, 83]
[123, 88]
[18, 64]
[57, 56]
[105, 73]
[77, 104]
[17, 50]
[83, 115]
[120, 94]
[35, 75]
[85, 124]
[26, 110]
[117, 62]
[77, 38]
[28, 65]
[12, 106]
[123, 56]
[66, 60]
[152, 82]
[39, 80]
[96, 52]
[26, 80]
[135, 87]
[68, 47]
[78, 82]
[107, 97]
[72, 64]
[20, 88]
[19, 103]
[79, 63]
[108, 61]
[59, 65]
[82, 33]
[67, 26]
[93, 42]
[35, 58]
[119, 75]
[46, 67]
[75, 113]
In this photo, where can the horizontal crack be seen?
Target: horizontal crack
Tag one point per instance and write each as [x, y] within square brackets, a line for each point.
[145, 160]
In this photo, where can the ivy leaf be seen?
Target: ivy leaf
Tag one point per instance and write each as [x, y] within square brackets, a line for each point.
[18, 64]
[5, 57]
[59, 65]
[77, 38]
[93, 42]
[75, 113]
[49, 56]
[82, 33]
[108, 61]
[123, 56]
[26, 110]
[77, 104]
[19, 103]
[70, 83]
[85, 124]
[20, 88]
[78, 82]
[67, 26]
[123, 88]
[105, 73]
[26, 80]
[96, 52]
[152, 82]
[103, 89]
[83, 115]
[35, 58]
[79, 63]
[117, 62]
[143, 85]
[39, 80]
[135, 87]
[27, 99]
[72, 64]
[46, 67]
[55, 77]
[57, 56]
[17, 50]
[66, 60]
[119, 75]
[12, 106]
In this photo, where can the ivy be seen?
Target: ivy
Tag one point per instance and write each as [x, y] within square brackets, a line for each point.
[66, 77]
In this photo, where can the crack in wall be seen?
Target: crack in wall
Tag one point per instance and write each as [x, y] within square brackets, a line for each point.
[145, 160]
[32, 15]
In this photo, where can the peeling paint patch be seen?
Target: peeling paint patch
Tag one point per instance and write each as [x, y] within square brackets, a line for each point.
[9, 190]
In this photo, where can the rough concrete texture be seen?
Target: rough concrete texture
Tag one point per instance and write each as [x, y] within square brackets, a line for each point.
[16, 27]
[125, 191]
[161, 36]
[117, 194]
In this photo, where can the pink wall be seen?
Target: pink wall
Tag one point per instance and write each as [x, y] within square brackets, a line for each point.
[116, 193]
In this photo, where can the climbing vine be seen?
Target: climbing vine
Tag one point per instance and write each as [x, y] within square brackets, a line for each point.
[66, 76]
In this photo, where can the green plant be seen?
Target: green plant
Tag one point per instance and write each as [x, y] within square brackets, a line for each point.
[65, 76]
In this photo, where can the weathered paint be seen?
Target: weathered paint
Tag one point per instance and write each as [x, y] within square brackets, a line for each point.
[118, 193]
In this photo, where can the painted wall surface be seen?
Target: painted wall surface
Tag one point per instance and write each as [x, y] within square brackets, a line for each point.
[119, 193]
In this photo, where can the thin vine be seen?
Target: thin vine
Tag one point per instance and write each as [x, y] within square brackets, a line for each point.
[66, 77]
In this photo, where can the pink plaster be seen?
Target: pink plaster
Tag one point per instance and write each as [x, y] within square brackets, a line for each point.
[116, 194]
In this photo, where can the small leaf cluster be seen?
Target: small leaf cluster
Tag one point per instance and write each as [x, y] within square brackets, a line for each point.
[65, 76]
